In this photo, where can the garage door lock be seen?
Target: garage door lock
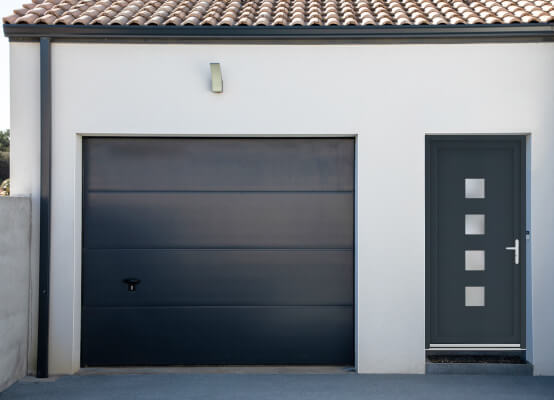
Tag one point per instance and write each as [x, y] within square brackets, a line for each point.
[132, 284]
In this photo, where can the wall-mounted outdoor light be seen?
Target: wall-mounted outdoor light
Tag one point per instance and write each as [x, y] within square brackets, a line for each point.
[217, 78]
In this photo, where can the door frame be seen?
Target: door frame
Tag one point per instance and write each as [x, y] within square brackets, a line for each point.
[430, 140]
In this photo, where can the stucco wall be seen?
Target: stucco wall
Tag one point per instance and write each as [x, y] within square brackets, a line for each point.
[388, 96]
[25, 159]
[15, 242]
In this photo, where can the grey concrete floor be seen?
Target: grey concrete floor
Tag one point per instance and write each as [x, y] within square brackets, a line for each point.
[313, 386]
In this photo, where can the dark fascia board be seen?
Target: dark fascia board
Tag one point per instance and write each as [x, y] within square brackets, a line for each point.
[325, 34]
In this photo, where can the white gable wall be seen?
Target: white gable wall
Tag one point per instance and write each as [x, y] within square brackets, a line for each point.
[388, 96]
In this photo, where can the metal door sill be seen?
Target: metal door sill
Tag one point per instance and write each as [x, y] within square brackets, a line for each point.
[476, 348]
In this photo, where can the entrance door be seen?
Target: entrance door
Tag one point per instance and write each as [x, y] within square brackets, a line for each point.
[475, 241]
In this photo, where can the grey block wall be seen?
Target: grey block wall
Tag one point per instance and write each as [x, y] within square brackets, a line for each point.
[15, 240]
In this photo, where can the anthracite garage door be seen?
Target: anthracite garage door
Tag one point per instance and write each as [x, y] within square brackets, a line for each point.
[243, 249]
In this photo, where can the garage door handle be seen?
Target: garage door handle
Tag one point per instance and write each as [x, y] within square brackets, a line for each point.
[132, 283]
[515, 249]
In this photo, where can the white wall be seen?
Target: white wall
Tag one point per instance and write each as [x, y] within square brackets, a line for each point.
[15, 242]
[390, 96]
[25, 159]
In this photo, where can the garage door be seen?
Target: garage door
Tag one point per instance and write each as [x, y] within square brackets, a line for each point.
[217, 251]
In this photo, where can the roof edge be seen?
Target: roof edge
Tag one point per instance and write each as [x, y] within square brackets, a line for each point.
[505, 32]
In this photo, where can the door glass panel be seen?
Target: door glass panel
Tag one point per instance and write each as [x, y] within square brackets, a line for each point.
[475, 188]
[475, 296]
[475, 224]
[475, 260]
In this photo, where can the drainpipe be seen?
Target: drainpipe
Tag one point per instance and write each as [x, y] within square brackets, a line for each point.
[45, 207]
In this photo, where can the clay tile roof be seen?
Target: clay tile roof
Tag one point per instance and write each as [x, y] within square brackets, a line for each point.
[282, 12]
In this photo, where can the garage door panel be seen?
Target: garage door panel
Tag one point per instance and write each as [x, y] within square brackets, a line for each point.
[219, 164]
[211, 335]
[222, 277]
[244, 249]
[219, 220]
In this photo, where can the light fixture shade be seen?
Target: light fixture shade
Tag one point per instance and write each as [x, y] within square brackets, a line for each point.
[217, 78]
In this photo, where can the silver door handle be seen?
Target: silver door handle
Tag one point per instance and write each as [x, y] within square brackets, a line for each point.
[515, 248]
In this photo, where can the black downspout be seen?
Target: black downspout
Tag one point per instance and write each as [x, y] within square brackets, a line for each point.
[44, 243]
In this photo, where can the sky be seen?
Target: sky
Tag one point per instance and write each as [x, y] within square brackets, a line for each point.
[6, 7]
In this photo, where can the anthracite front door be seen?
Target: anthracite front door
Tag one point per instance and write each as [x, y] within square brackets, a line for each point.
[475, 241]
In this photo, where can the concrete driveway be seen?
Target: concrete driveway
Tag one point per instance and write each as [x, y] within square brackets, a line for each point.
[245, 386]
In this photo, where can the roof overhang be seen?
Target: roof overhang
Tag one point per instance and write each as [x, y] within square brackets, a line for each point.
[323, 34]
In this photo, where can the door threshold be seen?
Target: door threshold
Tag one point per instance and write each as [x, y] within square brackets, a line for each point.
[478, 363]
[215, 369]
[461, 349]
[478, 368]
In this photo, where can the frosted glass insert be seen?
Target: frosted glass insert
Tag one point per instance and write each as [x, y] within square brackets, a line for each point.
[475, 260]
[475, 296]
[475, 188]
[475, 224]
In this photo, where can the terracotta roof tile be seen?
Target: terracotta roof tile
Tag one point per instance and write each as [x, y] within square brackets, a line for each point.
[282, 12]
